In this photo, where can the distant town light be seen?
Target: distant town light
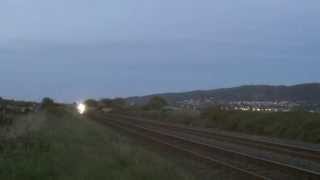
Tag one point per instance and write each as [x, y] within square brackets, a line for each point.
[81, 108]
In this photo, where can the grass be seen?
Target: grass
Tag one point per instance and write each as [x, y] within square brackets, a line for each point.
[298, 125]
[61, 145]
[67, 146]
[190, 118]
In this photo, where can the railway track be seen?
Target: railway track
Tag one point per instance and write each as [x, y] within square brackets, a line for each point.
[288, 149]
[194, 142]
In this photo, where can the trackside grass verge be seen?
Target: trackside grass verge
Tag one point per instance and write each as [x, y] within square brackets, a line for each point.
[68, 147]
[302, 126]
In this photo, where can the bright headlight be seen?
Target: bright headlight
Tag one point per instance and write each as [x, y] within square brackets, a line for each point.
[81, 108]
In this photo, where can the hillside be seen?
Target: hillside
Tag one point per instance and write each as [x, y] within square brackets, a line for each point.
[302, 93]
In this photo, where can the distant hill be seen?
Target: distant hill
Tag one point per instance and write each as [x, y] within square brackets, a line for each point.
[302, 93]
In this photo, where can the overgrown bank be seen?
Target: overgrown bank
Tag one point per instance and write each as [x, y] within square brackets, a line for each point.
[299, 125]
[70, 147]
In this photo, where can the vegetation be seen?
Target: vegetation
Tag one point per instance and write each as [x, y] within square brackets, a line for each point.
[298, 125]
[47, 102]
[63, 145]
[116, 104]
[156, 103]
[92, 103]
[186, 117]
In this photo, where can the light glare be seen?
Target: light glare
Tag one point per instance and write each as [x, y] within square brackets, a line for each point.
[81, 108]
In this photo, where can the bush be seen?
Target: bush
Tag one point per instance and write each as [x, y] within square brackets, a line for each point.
[47, 102]
[298, 125]
[91, 103]
[156, 103]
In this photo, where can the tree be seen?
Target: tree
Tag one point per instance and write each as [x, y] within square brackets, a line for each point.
[91, 103]
[47, 102]
[117, 103]
[106, 102]
[156, 103]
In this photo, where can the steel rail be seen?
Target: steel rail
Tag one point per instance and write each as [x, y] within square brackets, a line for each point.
[249, 175]
[296, 171]
[288, 149]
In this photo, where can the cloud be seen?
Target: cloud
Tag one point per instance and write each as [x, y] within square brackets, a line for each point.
[81, 48]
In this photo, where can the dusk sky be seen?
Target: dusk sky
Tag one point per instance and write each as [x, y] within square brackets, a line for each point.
[75, 49]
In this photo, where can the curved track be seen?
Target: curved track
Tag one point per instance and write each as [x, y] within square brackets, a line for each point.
[253, 167]
[288, 149]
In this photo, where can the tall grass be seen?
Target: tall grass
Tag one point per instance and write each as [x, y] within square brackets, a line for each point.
[71, 147]
[297, 125]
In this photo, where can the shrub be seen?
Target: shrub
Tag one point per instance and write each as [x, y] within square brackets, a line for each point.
[47, 102]
[156, 103]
